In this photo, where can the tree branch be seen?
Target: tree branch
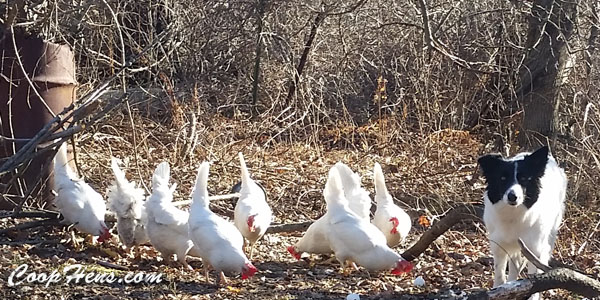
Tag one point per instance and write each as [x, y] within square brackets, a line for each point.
[455, 215]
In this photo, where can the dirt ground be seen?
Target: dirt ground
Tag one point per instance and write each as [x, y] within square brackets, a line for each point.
[427, 174]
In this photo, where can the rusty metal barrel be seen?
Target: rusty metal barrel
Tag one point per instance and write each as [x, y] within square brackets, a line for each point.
[27, 105]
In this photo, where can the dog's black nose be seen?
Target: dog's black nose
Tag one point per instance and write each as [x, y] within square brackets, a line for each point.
[512, 198]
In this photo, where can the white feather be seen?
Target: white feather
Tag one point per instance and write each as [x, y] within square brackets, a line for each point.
[358, 198]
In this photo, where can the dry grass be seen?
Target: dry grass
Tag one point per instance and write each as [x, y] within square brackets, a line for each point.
[427, 174]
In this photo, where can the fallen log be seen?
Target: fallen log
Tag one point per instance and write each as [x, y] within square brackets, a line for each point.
[292, 227]
[32, 224]
[465, 212]
[552, 278]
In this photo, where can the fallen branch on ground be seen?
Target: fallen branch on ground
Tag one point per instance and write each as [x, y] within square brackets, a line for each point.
[210, 198]
[111, 265]
[293, 227]
[32, 224]
[553, 278]
[532, 258]
[455, 215]
[31, 214]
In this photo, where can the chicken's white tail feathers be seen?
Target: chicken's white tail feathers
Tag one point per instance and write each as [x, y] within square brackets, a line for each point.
[200, 194]
[119, 174]
[334, 190]
[349, 179]
[124, 198]
[245, 174]
[381, 191]
[379, 179]
[161, 175]
[61, 163]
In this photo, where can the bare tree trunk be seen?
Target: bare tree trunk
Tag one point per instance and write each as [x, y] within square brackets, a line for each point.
[545, 69]
[256, 72]
[303, 59]
[592, 40]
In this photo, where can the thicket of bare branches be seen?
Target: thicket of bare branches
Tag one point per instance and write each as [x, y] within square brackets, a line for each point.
[303, 68]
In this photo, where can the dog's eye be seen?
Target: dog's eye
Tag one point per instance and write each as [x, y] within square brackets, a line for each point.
[503, 178]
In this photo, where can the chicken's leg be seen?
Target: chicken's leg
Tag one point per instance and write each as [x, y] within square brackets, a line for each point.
[76, 244]
[221, 278]
[186, 265]
[251, 250]
[205, 267]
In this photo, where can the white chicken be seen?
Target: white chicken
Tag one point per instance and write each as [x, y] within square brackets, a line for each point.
[127, 202]
[252, 214]
[78, 202]
[166, 225]
[392, 220]
[219, 241]
[354, 239]
[358, 198]
[315, 239]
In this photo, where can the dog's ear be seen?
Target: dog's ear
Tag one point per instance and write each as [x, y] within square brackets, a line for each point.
[538, 159]
[488, 163]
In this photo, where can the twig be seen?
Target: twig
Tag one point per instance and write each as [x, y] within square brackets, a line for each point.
[111, 265]
[532, 258]
[431, 43]
[33, 224]
[258, 51]
[33, 214]
[293, 227]
[303, 59]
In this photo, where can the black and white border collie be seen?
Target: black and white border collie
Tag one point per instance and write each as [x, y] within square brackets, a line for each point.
[524, 198]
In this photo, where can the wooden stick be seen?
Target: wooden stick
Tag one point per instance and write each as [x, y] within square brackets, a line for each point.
[111, 265]
[293, 227]
[32, 224]
[457, 214]
[532, 258]
[211, 198]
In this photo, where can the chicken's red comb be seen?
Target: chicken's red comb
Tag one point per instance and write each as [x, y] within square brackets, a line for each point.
[250, 271]
[105, 235]
[293, 252]
[250, 223]
[402, 266]
[395, 223]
